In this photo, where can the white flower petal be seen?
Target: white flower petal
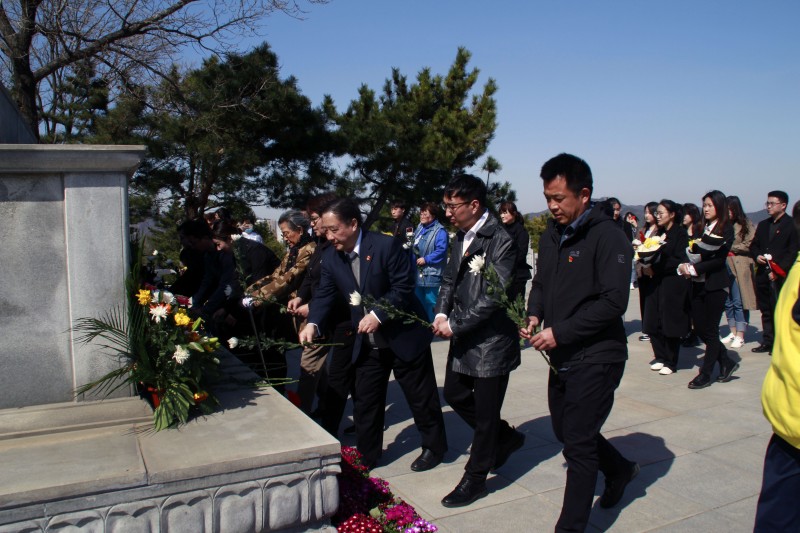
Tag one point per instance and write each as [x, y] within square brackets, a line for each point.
[233, 342]
[355, 299]
[181, 354]
[476, 264]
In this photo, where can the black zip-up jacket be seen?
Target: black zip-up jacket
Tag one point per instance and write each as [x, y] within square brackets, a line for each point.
[581, 290]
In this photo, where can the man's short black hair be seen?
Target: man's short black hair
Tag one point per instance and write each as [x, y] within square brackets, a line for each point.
[345, 209]
[573, 169]
[780, 195]
[467, 187]
[402, 204]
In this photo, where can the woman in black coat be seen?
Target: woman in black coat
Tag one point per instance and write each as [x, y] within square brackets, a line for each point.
[651, 229]
[666, 313]
[708, 271]
[513, 223]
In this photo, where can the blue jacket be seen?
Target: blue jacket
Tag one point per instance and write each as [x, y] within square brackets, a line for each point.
[430, 243]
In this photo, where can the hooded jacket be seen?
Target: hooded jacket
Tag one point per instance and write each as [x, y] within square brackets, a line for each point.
[581, 290]
[485, 341]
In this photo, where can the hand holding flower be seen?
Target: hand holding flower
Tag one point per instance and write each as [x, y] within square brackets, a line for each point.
[307, 334]
[527, 332]
[544, 340]
[441, 328]
[368, 324]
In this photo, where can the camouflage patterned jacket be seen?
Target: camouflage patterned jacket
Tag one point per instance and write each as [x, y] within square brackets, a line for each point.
[283, 283]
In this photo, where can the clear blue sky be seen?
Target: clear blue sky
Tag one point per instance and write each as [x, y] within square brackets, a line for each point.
[662, 98]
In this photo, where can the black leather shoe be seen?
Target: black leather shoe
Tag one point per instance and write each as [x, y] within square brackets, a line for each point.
[426, 460]
[762, 348]
[507, 447]
[726, 372]
[466, 492]
[615, 486]
[700, 382]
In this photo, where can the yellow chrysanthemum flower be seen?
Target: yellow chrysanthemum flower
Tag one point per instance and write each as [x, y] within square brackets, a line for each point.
[143, 296]
[182, 319]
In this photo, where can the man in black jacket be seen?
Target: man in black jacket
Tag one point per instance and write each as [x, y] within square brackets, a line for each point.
[777, 238]
[484, 347]
[580, 292]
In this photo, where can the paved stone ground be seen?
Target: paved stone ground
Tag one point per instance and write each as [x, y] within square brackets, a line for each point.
[700, 451]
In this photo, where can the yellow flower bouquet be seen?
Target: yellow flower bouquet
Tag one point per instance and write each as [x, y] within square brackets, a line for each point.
[161, 351]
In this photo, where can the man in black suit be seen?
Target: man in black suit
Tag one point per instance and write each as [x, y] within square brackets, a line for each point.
[484, 344]
[370, 264]
[775, 237]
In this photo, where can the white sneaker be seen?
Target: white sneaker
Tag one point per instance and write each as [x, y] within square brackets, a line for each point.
[738, 342]
[727, 339]
[666, 371]
[657, 366]
[632, 287]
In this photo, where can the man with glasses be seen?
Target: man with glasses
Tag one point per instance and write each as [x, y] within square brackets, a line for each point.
[775, 240]
[484, 345]
[363, 264]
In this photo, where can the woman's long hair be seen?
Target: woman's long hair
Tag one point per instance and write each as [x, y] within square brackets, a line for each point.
[511, 207]
[738, 216]
[674, 209]
[697, 220]
[721, 207]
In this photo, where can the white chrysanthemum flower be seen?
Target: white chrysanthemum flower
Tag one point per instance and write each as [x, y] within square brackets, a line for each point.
[155, 297]
[476, 264]
[159, 313]
[181, 354]
[355, 299]
[233, 342]
[155, 253]
[236, 236]
[167, 297]
[768, 257]
[247, 301]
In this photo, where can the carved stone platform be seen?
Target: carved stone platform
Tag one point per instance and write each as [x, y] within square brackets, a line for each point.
[258, 464]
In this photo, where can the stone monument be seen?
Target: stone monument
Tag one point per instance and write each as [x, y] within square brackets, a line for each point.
[81, 464]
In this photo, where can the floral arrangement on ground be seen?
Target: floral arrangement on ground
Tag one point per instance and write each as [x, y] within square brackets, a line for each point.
[162, 351]
[366, 504]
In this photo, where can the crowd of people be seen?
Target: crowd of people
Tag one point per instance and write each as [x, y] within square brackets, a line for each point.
[364, 304]
[706, 265]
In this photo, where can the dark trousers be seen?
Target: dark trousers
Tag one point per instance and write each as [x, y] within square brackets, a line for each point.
[478, 402]
[666, 349]
[341, 377]
[418, 382]
[777, 505]
[767, 298]
[707, 309]
[580, 400]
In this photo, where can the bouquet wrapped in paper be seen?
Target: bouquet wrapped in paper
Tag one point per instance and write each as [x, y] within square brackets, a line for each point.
[704, 247]
[648, 250]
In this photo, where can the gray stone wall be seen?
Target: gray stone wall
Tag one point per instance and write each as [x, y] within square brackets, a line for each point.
[63, 255]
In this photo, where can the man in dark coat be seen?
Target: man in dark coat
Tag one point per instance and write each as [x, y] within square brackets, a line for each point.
[362, 263]
[775, 237]
[580, 292]
[484, 345]
[402, 225]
